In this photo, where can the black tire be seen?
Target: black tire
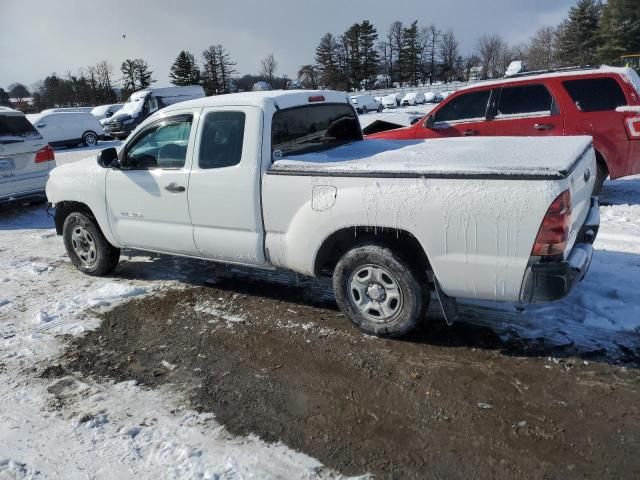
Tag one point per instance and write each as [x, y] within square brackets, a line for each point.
[102, 257]
[414, 294]
[89, 139]
[365, 109]
[601, 176]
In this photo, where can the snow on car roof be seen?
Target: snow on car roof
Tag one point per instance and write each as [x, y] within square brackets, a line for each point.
[280, 98]
[505, 156]
[629, 74]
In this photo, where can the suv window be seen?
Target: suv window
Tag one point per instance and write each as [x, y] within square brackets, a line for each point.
[161, 145]
[526, 100]
[16, 128]
[313, 128]
[466, 107]
[222, 139]
[596, 94]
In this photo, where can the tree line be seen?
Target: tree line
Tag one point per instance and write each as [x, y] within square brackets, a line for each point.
[361, 58]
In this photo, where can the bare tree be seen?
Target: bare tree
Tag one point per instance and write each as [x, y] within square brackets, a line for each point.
[449, 54]
[542, 52]
[492, 51]
[269, 67]
[308, 75]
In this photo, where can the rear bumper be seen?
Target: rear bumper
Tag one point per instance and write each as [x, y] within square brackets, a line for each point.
[551, 281]
[23, 197]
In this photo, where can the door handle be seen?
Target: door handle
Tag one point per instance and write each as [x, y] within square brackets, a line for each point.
[543, 126]
[470, 133]
[174, 188]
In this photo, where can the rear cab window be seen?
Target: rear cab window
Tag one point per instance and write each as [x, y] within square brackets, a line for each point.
[467, 107]
[313, 128]
[16, 128]
[596, 94]
[525, 100]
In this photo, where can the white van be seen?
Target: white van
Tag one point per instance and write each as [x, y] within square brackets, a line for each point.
[366, 103]
[106, 111]
[143, 103]
[68, 128]
[25, 159]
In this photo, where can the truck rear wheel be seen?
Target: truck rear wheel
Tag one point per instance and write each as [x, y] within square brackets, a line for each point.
[379, 291]
[87, 247]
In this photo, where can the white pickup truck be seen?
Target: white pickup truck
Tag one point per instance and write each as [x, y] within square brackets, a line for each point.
[285, 179]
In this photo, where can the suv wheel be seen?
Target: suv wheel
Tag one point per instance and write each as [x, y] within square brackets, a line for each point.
[365, 109]
[89, 139]
[601, 176]
[379, 291]
[87, 247]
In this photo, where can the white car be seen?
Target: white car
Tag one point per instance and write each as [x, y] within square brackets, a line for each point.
[25, 159]
[366, 103]
[390, 101]
[106, 111]
[414, 98]
[68, 128]
[299, 188]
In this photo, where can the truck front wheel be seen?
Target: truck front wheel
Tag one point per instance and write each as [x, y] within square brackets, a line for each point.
[379, 291]
[87, 247]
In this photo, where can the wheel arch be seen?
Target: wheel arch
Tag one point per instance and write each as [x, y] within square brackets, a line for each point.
[66, 208]
[403, 242]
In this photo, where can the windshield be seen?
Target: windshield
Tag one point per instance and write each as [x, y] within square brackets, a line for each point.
[134, 105]
[313, 128]
[16, 128]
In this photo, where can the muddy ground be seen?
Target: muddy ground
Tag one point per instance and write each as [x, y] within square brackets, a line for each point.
[277, 359]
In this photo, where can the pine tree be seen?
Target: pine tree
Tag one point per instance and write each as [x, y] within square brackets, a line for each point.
[328, 60]
[4, 98]
[368, 53]
[143, 73]
[184, 70]
[619, 30]
[217, 69]
[578, 35]
[411, 54]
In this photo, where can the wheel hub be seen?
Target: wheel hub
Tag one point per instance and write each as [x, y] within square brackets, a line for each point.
[376, 292]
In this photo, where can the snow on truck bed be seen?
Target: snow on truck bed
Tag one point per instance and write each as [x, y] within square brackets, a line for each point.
[521, 156]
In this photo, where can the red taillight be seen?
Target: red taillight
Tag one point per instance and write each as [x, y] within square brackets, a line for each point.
[45, 154]
[633, 127]
[554, 231]
[316, 98]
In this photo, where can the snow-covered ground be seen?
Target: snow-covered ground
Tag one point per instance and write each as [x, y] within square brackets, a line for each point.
[125, 431]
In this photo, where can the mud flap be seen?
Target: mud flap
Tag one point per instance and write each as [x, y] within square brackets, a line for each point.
[448, 305]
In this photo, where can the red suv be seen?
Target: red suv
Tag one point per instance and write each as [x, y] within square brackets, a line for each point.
[601, 102]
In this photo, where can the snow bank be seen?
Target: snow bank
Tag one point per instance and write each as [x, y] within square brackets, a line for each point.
[544, 156]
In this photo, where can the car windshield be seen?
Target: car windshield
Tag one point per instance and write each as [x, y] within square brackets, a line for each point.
[313, 128]
[16, 128]
[135, 103]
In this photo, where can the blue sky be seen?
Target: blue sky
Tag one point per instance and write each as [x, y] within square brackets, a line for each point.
[64, 35]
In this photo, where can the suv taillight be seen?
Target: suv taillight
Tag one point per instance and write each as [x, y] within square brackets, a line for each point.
[45, 154]
[633, 127]
[554, 231]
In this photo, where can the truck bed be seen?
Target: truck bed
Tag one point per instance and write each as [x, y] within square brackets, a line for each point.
[515, 157]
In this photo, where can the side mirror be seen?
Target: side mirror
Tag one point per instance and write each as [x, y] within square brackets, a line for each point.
[415, 120]
[108, 157]
[109, 114]
[429, 122]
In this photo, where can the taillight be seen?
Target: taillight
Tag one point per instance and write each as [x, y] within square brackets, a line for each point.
[554, 231]
[45, 154]
[633, 127]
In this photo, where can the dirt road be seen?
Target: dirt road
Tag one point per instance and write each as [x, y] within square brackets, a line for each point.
[279, 360]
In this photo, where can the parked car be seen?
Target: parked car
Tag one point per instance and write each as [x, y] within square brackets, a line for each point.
[433, 97]
[390, 101]
[106, 111]
[601, 102]
[414, 98]
[366, 103]
[293, 185]
[144, 103]
[68, 128]
[25, 159]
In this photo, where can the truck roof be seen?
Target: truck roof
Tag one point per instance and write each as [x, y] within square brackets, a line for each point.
[277, 98]
[629, 74]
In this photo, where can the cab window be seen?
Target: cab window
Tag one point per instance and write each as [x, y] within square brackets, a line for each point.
[465, 107]
[222, 139]
[160, 145]
[525, 100]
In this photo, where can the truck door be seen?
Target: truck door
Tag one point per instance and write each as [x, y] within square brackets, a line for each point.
[147, 198]
[528, 111]
[224, 189]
